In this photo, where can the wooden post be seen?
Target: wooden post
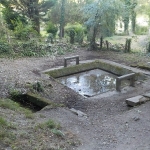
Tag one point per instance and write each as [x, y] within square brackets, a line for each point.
[101, 42]
[127, 46]
[107, 45]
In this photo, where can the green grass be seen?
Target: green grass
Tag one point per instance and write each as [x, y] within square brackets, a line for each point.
[5, 135]
[3, 122]
[9, 104]
[52, 125]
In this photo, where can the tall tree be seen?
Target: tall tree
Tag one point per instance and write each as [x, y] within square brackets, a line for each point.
[99, 15]
[32, 9]
[126, 15]
[133, 15]
[62, 18]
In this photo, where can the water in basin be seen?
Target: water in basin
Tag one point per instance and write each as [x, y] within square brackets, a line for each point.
[91, 82]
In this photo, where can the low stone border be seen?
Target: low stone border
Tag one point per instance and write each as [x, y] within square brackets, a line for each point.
[97, 64]
[130, 76]
[35, 99]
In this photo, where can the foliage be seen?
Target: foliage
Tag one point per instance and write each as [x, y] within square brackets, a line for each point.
[29, 48]
[101, 15]
[76, 32]
[129, 13]
[14, 93]
[11, 18]
[24, 32]
[72, 35]
[4, 130]
[3, 122]
[38, 87]
[51, 124]
[33, 10]
[57, 132]
[141, 30]
[51, 28]
[5, 48]
[9, 104]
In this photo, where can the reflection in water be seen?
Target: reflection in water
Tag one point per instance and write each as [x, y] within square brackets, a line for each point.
[90, 82]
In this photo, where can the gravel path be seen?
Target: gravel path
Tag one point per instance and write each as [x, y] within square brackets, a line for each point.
[110, 124]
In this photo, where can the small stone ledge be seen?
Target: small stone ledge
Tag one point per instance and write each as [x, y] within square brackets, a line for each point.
[78, 112]
[97, 64]
[35, 99]
[137, 100]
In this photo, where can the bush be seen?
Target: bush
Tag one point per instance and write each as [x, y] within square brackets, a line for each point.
[78, 30]
[141, 30]
[24, 32]
[11, 18]
[51, 28]
[5, 48]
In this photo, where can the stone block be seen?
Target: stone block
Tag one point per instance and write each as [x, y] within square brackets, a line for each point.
[78, 112]
[134, 101]
[147, 95]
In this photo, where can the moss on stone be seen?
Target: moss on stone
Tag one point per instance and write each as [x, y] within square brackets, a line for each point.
[72, 69]
[97, 64]
[88, 66]
[35, 99]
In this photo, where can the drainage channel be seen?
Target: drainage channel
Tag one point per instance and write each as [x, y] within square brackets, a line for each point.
[30, 102]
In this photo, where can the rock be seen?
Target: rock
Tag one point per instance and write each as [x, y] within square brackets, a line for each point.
[136, 118]
[78, 112]
[147, 95]
[134, 101]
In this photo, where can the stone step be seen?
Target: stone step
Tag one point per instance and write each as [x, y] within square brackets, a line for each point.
[137, 100]
[146, 95]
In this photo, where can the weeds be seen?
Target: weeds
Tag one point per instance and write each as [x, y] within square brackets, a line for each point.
[38, 87]
[5, 135]
[57, 132]
[52, 125]
[9, 104]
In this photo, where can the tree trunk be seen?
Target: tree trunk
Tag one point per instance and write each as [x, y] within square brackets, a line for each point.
[62, 18]
[34, 14]
[126, 25]
[93, 45]
[133, 21]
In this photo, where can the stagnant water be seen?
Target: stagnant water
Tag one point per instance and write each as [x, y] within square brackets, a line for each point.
[91, 82]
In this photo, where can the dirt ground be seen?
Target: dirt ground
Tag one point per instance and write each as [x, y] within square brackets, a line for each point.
[109, 124]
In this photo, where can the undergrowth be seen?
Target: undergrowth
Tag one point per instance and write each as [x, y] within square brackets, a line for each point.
[9, 104]
[32, 48]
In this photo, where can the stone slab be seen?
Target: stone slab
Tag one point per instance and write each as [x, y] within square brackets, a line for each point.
[134, 101]
[78, 112]
[146, 95]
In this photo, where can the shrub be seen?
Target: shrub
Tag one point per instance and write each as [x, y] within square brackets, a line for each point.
[76, 30]
[38, 87]
[51, 28]
[11, 17]
[24, 32]
[5, 48]
[72, 35]
[29, 48]
[141, 30]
